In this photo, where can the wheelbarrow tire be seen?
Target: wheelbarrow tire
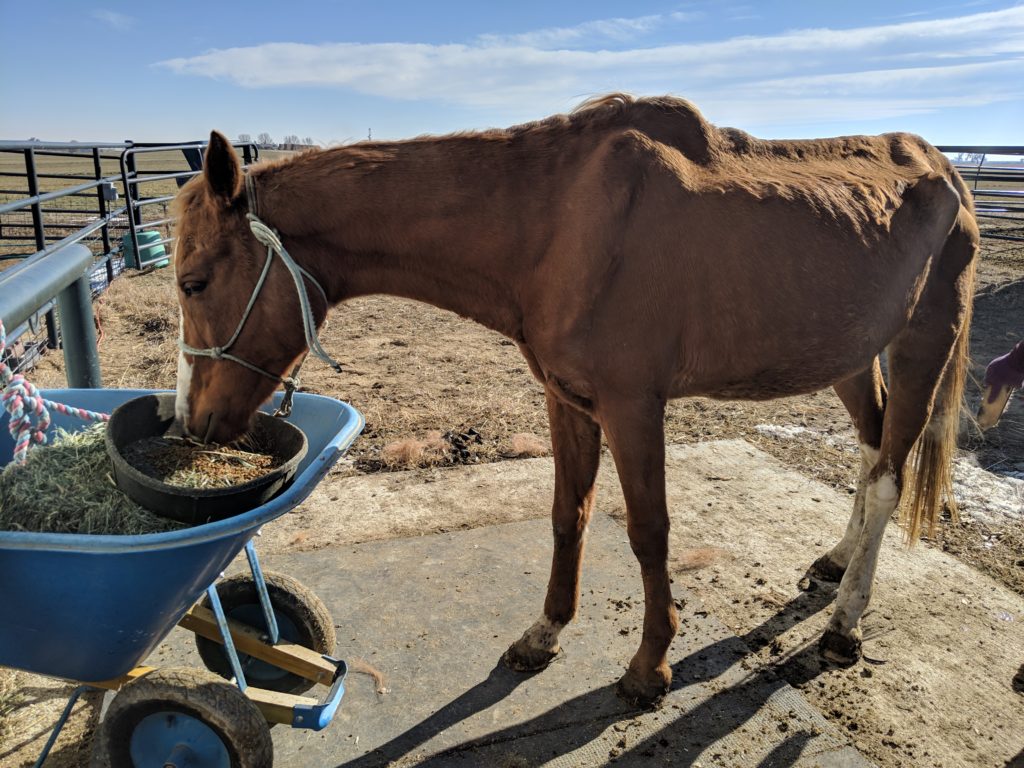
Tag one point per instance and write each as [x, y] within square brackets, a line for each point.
[302, 618]
[151, 713]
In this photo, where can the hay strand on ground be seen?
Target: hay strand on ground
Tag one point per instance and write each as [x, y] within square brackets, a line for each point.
[411, 452]
[528, 445]
[363, 667]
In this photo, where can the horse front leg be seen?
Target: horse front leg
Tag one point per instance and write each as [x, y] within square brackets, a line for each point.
[636, 436]
[576, 443]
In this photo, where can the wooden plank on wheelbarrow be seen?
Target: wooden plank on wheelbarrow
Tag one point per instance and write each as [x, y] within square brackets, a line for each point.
[277, 707]
[287, 656]
[118, 682]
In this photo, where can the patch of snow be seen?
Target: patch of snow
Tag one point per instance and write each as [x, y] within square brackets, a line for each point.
[984, 496]
[993, 499]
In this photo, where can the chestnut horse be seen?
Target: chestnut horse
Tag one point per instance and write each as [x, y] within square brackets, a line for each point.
[635, 253]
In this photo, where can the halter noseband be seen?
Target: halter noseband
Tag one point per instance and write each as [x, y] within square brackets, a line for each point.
[270, 238]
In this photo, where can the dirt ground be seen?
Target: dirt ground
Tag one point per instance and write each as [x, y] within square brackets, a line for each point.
[447, 392]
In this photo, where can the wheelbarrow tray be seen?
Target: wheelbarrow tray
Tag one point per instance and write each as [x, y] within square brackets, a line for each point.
[90, 608]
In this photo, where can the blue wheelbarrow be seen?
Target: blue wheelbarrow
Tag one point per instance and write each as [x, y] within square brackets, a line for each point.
[90, 609]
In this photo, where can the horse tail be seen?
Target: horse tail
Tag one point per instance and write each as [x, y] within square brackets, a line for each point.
[929, 482]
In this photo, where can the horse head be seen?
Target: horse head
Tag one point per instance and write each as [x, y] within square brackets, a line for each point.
[237, 341]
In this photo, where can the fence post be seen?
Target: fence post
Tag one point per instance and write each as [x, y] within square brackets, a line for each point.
[78, 332]
[101, 201]
[31, 176]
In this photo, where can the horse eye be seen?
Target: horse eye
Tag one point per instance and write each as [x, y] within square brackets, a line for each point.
[193, 286]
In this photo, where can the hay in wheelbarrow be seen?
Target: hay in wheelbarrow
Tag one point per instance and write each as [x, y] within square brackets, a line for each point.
[66, 486]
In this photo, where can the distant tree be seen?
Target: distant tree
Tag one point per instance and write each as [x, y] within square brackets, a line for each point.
[969, 158]
[265, 140]
[308, 141]
[290, 140]
[244, 138]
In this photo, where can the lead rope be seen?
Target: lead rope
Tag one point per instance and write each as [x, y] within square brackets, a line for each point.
[29, 410]
[291, 383]
[270, 238]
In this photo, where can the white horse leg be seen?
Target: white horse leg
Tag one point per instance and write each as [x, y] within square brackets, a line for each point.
[842, 639]
[832, 565]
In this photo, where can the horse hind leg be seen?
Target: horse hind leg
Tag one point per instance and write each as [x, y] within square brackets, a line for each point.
[927, 369]
[864, 395]
[576, 443]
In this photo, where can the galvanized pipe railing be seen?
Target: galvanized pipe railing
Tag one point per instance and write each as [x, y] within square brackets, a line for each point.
[26, 287]
[992, 203]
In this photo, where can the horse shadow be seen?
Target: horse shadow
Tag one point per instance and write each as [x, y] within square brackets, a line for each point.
[72, 746]
[578, 722]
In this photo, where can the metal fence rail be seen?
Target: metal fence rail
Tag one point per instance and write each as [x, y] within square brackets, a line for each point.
[998, 187]
[62, 199]
[34, 283]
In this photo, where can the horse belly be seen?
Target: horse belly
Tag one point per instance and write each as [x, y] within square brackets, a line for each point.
[787, 343]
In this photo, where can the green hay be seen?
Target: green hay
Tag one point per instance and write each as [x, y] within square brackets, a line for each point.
[67, 486]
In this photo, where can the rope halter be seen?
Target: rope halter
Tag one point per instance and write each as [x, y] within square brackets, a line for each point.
[270, 238]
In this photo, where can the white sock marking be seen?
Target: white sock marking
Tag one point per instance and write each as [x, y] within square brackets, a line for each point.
[543, 635]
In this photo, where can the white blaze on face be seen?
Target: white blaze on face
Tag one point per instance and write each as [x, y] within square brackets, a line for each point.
[184, 380]
[184, 369]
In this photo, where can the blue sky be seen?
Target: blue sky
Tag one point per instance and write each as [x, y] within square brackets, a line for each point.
[953, 72]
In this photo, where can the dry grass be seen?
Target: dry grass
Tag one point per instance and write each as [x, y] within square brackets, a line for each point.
[363, 667]
[137, 320]
[11, 697]
[411, 452]
[524, 445]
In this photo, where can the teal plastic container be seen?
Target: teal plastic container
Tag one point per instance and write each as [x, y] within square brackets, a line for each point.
[151, 251]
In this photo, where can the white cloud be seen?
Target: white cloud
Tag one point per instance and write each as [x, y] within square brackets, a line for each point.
[901, 68]
[618, 30]
[118, 21]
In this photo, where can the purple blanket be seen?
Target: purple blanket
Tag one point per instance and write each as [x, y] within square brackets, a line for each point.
[1006, 371]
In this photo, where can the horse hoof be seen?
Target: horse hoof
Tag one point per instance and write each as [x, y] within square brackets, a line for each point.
[839, 649]
[522, 657]
[645, 693]
[824, 569]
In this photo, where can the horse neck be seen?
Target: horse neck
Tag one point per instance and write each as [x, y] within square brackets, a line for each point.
[425, 220]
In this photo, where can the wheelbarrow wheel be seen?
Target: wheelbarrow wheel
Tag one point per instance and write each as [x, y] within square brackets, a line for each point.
[302, 618]
[182, 716]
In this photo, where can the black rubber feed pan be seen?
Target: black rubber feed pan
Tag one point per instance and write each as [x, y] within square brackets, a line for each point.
[152, 415]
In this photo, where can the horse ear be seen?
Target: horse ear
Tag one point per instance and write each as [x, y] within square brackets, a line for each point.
[222, 170]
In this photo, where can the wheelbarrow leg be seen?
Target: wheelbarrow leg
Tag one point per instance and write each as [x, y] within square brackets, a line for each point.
[225, 633]
[273, 633]
[269, 617]
[55, 733]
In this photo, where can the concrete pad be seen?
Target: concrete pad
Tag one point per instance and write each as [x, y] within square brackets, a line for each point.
[945, 639]
[387, 505]
[948, 638]
[435, 613]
